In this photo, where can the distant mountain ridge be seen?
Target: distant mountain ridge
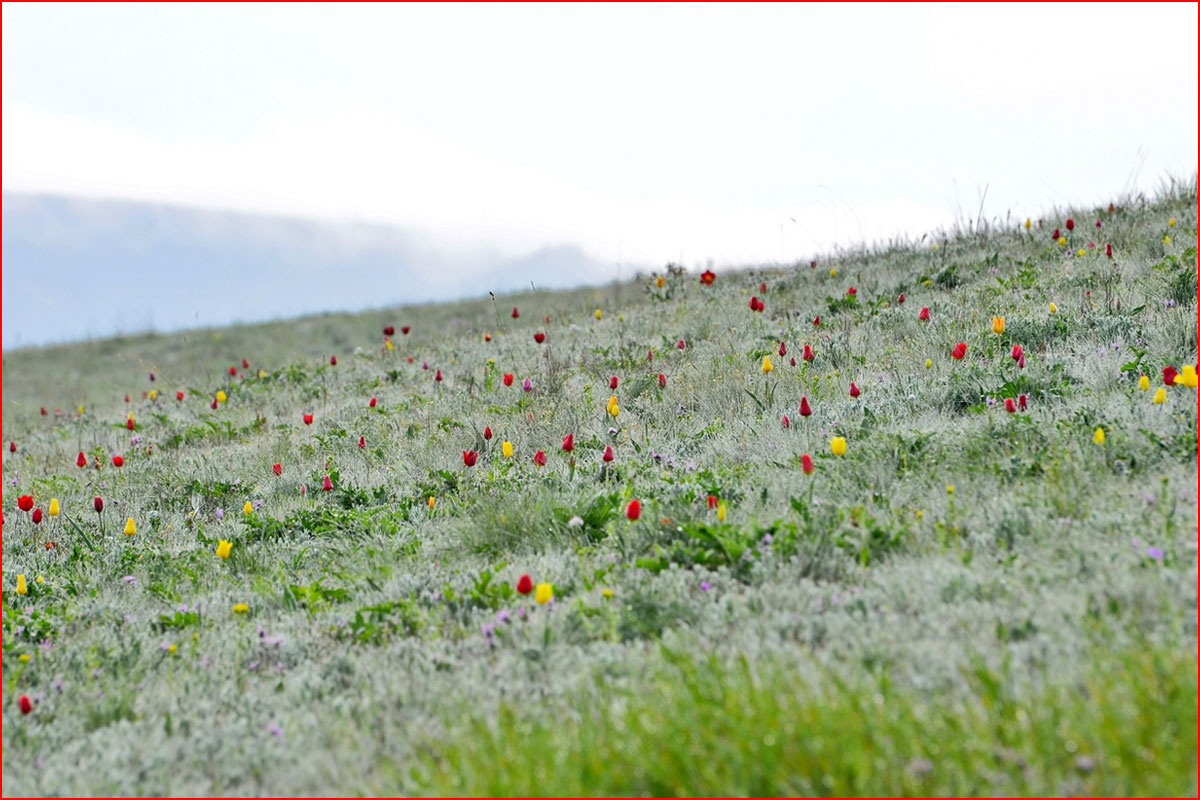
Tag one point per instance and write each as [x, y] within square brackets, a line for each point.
[75, 268]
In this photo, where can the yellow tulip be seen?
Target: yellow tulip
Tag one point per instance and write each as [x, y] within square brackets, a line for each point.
[153, 394]
[1160, 396]
[1062, 241]
[599, 314]
[721, 511]
[997, 325]
[928, 363]
[224, 547]
[130, 527]
[766, 365]
[545, 593]
[432, 502]
[1171, 222]
[79, 409]
[39, 579]
[248, 508]
[833, 272]
[949, 488]
[1166, 239]
[1028, 223]
[1081, 252]
[659, 281]
[1053, 308]
[262, 373]
[54, 509]
[837, 445]
[1188, 377]
[21, 587]
[222, 397]
[240, 608]
[1144, 383]
[1098, 436]
[506, 449]
[608, 593]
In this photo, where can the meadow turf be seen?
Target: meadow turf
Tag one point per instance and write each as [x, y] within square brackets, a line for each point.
[968, 601]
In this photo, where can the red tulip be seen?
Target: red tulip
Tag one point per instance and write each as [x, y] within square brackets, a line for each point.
[152, 377]
[1070, 224]
[12, 447]
[37, 516]
[362, 443]
[817, 321]
[1021, 361]
[959, 351]
[372, 402]
[854, 390]
[25, 502]
[1056, 235]
[1010, 405]
[1099, 225]
[787, 423]
[524, 583]
[900, 299]
[650, 354]
[118, 461]
[470, 457]
[405, 329]
[515, 313]
[1108, 250]
[924, 315]
[812, 264]
[43, 411]
[753, 303]
[232, 371]
[179, 395]
[783, 348]
[662, 381]
[608, 453]
[25, 704]
[126, 398]
[389, 330]
[129, 423]
[806, 464]
[634, 509]
[852, 291]
[437, 376]
[308, 419]
[81, 460]
[539, 337]
[508, 379]
[805, 408]
[333, 361]
[326, 485]
[712, 501]
[612, 382]
[1017, 352]
[539, 458]
[568, 443]
[1169, 374]
[680, 344]
[487, 432]
[792, 361]
[98, 504]
[707, 277]
[1023, 402]
[809, 355]
[277, 468]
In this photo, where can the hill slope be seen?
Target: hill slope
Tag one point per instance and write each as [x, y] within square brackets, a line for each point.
[966, 600]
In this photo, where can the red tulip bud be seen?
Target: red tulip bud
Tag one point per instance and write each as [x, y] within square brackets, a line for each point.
[805, 408]
[662, 381]
[37, 516]
[524, 583]
[1010, 405]
[1056, 235]
[232, 371]
[25, 704]
[608, 453]
[762, 287]
[81, 460]
[405, 329]
[333, 361]
[852, 291]
[43, 411]
[308, 419]
[539, 337]
[487, 432]
[959, 351]
[612, 382]
[816, 320]
[508, 379]
[712, 501]
[809, 355]
[1099, 224]
[1070, 224]
[792, 361]
[650, 355]
[362, 443]
[213, 404]
[1108, 250]
[98, 504]
[118, 461]
[1023, 402]
[680, 344]
[126, 398]
[437, 376]
[389, 331]
[326, 484]
[900, 299]
[1017, 352]
[787, 423]
[277, 468]
[12, 447]
[924, 315]
[179, 395]
[129, 423]
[1021, 361]
[515, 313]
[372, 402]
[568, 443]
[806, 464]
[812, 264]
[469, 457]
[634, 509]
[539, 458]
[783, 348]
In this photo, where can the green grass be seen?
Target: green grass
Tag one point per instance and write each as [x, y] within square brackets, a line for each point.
[1003, 583]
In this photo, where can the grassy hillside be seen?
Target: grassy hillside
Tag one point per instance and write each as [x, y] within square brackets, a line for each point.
[966, 600]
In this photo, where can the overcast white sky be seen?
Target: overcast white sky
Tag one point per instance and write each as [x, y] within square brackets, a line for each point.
[641, 133]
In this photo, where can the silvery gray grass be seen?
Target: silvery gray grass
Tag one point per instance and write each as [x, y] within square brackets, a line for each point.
[968, 600]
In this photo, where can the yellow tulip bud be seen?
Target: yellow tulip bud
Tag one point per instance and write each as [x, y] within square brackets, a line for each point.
[545, 593]
[1171, 222]
[153, 395]
[130, 527]
[240, 608]
[928, 363]
[1098, 436]
[506, 449]
[837, 445]
[224, 547]
[1144, 383]
[1160, 396]
[1166, 239]
[1062, 241]
[833, 272]
[221, 396]
[599, 314]
[54, 509]
[997, 325]
[659, 281]
[248, 508]
[432, 502]
[1053, 308]
[949, 488]
[22, 588]
[721, 511]
[766, 365]
[1028, 223]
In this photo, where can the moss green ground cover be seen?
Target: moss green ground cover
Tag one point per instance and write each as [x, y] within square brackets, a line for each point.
[966, 601]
